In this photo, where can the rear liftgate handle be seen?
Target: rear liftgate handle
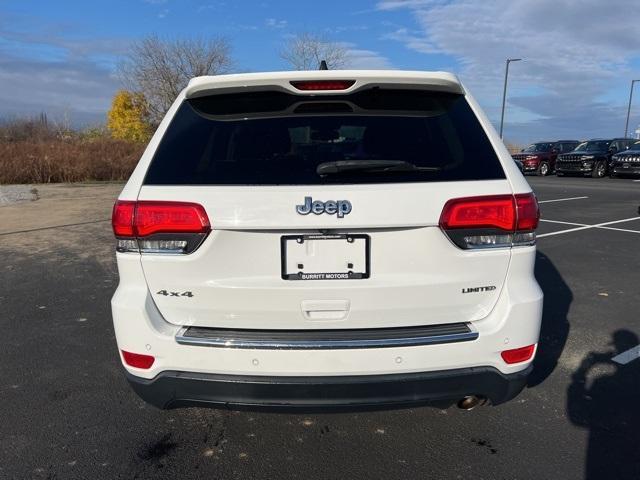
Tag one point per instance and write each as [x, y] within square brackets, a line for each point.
[325, 309]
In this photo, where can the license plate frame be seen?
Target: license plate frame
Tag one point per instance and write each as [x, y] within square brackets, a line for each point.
[306, 276]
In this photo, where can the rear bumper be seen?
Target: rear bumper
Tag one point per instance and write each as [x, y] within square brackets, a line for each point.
[247, 375]
[171, 389]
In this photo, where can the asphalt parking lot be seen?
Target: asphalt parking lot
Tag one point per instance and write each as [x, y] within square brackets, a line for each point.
[67, 411]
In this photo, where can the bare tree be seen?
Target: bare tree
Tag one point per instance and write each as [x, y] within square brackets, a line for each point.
[305, 51]
[160, 68]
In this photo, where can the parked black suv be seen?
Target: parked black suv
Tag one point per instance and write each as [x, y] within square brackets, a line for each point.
[591, 157]
[626, 162]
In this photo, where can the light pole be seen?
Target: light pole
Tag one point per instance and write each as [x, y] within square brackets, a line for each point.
[626, 125]
[504, 92]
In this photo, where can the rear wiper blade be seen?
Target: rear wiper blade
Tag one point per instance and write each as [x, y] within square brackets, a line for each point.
[377, 166]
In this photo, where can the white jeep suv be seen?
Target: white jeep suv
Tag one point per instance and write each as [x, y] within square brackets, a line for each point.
[326, 238]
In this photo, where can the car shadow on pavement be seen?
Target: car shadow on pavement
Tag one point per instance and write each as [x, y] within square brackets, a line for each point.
[555, 323]
[608, 407]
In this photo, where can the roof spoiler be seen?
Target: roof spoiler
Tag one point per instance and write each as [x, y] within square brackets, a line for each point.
[243, 82]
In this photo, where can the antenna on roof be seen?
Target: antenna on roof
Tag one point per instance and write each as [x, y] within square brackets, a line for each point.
[323, 65]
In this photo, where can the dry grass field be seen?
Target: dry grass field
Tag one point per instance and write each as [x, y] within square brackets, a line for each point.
[35, 151]
[67, 160]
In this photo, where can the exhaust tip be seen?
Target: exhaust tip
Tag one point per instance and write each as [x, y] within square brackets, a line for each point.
[470, 402]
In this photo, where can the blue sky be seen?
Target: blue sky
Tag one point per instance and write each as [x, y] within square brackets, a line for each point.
[580, 55]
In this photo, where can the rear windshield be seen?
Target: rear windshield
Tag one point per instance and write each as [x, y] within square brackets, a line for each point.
[275, 138]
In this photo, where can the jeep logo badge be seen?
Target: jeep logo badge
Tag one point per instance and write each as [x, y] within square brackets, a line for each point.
[332, 207]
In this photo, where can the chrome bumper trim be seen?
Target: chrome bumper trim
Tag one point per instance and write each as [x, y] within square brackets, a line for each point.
[326, 339]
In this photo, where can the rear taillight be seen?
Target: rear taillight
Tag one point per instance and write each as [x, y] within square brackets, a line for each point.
[518, 355]
[479, 212]
[528, 213]
[122, 219]
[159, 227]
[169, 217]
[317, 85]
[491, 221]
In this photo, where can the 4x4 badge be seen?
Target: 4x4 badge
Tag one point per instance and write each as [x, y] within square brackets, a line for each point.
[332, 207]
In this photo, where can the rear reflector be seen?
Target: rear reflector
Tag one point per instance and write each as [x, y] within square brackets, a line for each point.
[138, 360]
[159, 227]
[491, 221]
[322, 84]
[518, 355]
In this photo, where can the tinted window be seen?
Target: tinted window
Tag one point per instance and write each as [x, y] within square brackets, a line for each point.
[538, 147]
[274, 138]
[594, 146]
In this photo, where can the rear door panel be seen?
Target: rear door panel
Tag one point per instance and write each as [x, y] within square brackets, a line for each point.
[417, 276]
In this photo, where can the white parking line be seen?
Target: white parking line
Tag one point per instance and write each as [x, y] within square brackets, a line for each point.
[619, 229]
[586, 227]
[564, 223]
[561, 199]
[628, 356]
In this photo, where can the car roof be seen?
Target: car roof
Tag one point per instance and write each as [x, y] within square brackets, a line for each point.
[608, 139]
[438, 81]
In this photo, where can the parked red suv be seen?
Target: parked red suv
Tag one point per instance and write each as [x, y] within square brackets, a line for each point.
[540, 157]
